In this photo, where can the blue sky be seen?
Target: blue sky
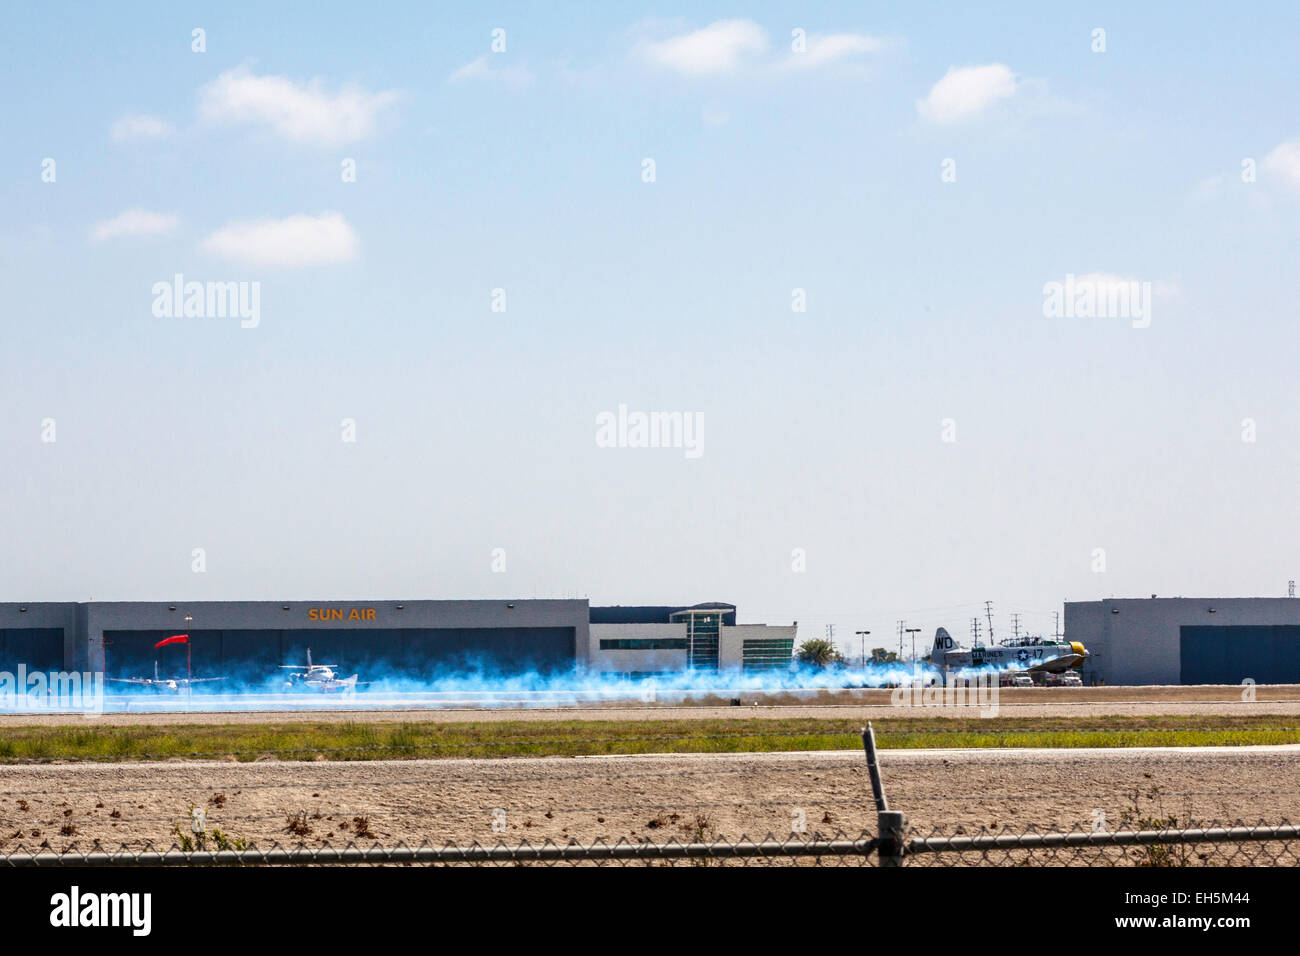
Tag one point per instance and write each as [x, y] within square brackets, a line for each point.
[775, 170]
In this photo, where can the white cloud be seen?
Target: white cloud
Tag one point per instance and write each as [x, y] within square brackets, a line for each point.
[821, 50]
[514, 78]
[134, 222]
[1284, 163]
[717, 48]
[472, 70]
[965, 92]
[300, 112]
[134, 127]
[300, 240]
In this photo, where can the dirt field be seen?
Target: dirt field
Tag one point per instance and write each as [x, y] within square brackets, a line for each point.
[657, 798]
[854, 705]
[637, 798]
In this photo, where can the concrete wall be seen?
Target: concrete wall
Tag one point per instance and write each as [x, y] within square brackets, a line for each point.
[1138, 640]
[622, 662]
[655, 613]
[1089, 623]
[731, 643]
[731, 640]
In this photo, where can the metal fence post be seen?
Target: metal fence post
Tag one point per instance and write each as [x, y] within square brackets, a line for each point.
[891, 825]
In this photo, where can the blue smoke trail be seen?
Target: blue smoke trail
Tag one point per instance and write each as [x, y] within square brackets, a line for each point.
[489, 686]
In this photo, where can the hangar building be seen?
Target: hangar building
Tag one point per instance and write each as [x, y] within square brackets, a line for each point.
[1187, 640]
[249, 639]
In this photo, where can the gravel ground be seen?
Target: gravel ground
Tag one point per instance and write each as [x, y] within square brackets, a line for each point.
[637, 798]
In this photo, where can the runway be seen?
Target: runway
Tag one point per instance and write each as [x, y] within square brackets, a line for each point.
[857, 704]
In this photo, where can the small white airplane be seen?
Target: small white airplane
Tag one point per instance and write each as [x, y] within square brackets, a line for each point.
[172, 685]
[318, 677]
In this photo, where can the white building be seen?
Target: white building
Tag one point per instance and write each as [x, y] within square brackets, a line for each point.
[703, 637]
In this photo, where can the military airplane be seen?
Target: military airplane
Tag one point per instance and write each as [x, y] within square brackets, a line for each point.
[1033, 655]
[318, 677]
[173, 685]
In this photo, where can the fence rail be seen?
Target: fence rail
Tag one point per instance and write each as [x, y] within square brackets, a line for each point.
[1033, 841]
[1265, 844]
[769, 851]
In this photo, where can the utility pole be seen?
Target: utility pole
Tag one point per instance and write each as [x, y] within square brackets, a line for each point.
[914, 631]
[1015, 625]
[863, 635]
[1056, 625]
[988, 610]
[900, 639]
[189, 642]
[975, 630]
[1290, 589]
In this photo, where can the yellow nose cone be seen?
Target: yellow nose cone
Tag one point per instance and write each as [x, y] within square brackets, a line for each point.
[1078, 649]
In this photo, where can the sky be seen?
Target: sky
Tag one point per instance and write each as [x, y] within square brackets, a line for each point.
[822, 239]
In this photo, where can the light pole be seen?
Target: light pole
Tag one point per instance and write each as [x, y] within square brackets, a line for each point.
[189, 642]
[863, 635]
[914, 631]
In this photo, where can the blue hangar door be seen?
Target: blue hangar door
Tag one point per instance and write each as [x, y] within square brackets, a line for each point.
[40, 648]
[1266, 654]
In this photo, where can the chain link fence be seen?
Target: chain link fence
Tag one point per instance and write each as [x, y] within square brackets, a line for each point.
[836, 850]
[1261, 845]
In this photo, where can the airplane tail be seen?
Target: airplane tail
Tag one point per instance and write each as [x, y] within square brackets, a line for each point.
[943, 643]
[309, 658]
[155, 669]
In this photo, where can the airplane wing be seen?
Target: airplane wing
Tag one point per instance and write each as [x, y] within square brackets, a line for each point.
[1055, 665]
[129, 680]
[200, 680]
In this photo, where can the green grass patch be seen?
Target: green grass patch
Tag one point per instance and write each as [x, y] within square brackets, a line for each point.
[314, 740]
